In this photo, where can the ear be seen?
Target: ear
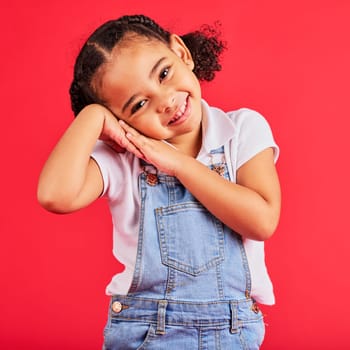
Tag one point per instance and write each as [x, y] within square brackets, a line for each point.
[181, 50]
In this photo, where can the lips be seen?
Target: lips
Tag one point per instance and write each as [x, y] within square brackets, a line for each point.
[180, 114]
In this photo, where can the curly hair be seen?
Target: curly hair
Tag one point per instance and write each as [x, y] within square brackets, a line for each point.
[204, 46]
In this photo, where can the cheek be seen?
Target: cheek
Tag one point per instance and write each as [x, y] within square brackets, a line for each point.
[187, 78]
[150, 127]
[145, 125]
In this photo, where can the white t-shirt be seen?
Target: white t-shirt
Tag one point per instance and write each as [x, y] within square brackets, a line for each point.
[244, 133]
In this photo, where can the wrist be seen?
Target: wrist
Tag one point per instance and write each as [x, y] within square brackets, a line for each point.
[182, 165]
[91, 119]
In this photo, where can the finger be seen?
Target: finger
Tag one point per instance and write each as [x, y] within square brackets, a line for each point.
[134, 139]
[128, 143]
[133, 149]
[139, 140]
[128, 129]
[120, 143]
[121, 138]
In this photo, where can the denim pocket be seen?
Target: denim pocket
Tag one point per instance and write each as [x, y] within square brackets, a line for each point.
[252, 334]
[127, 335]
[191, 239]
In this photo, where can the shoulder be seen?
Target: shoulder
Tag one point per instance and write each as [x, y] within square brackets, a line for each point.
[239, 123]
[247, 118]
[242, 118]
[253, 134]
[251, 126]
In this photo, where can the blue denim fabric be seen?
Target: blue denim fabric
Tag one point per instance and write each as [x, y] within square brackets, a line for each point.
[191, 285]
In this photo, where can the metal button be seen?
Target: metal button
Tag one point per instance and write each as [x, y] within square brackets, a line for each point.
[117, 307]
[152, 179]
[255, 308]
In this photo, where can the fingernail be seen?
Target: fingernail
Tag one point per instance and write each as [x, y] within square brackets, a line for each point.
[121, 122]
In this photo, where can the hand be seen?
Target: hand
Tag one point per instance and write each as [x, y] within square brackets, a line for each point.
[161, 154]
[114, 135]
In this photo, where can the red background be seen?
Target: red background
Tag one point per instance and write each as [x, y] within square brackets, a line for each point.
[287, 59]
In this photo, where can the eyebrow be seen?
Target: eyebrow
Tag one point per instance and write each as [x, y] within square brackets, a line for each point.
[152, 72]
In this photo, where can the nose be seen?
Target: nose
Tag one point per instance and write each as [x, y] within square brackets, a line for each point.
[166, 101]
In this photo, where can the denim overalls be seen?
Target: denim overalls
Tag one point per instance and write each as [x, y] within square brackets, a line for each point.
[191, 285]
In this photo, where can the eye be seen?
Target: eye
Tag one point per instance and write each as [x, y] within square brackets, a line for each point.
[163, 74]
[137, 106]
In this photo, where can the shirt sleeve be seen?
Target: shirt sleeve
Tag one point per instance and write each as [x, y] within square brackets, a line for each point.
[254, 135]
[110, 165]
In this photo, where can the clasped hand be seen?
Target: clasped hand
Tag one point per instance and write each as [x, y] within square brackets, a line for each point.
[122, 137]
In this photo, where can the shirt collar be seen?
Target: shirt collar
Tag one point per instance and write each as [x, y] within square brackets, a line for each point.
[217, 128]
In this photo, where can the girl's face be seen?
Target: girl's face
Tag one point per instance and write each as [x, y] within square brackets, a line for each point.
[152, 88]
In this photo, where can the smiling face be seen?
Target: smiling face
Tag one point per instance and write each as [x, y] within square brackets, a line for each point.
[152, 88]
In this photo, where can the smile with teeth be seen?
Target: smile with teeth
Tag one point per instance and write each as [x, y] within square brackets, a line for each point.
[179, 113]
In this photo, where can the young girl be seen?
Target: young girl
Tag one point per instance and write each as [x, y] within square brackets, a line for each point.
[193, 191]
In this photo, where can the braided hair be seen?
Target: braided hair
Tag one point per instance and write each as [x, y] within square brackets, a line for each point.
[204, 45]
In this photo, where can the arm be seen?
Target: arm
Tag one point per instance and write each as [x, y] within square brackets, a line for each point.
[251, 207]
[70, 178]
